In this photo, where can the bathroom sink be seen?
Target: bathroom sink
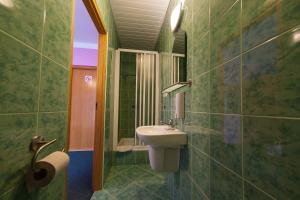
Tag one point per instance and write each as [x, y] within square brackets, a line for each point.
[161, 135]
[164, 143]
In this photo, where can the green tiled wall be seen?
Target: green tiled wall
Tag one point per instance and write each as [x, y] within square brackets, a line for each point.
[34, 75]
[34, 80]
[243, 109]
[127, 95]
[130, 158]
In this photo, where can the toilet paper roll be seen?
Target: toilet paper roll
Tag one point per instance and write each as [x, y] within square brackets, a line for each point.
[48, 168]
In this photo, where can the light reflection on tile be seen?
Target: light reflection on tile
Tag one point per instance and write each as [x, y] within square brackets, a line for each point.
[226, 141]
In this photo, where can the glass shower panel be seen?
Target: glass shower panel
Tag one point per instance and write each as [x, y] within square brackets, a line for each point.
[138, 94]
[145, 90]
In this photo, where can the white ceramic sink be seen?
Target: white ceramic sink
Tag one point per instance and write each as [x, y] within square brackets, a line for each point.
[161, 135]
[164, 146]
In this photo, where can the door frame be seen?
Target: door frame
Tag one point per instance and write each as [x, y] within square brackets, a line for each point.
[98, 155]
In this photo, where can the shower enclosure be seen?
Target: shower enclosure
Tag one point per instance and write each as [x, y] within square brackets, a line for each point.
[137, 93]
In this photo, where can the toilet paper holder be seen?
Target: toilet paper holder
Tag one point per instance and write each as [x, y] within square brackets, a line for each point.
[38, 143]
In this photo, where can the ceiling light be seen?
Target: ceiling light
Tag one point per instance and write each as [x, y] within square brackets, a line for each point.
[7, 3]
[176, 16]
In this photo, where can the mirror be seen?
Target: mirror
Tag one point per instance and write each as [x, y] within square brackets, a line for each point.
[179, 63]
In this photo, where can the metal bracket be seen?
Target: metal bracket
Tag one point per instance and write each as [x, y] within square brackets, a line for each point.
[37, 144]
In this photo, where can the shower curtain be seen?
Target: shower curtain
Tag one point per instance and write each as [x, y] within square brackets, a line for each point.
[147, 91]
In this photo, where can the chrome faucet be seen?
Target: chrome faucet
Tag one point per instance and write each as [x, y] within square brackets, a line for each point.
[171, 123]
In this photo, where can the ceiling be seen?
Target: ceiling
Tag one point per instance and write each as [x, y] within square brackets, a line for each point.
[85, 32]
[139, 22]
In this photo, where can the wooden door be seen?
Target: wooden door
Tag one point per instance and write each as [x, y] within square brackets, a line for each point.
[83, 107]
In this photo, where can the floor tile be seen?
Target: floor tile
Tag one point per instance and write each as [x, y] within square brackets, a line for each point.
[103, 195]
[134, 182]
[135, 192]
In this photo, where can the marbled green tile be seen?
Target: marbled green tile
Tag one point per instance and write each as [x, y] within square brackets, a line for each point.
[19, 76]
[53, 126]
[148, 168]
[127, 95]
[199, 131]
[119, 169]
[155, 184]
[19, 192]
[15, 136]
[55, 190]
[165, 69]
[224, 184]
[189, 57]
[124, 158]
[106, 167]
[176, 186]
[201, 55]
[226, 141]
[200, 93]
[185, 186]
[135, 173]
[54, 87]
[219, 8]
[271, 155]
[135, 192]
[200, 18]
[141, 157]
[185, 159]
[103, 195]
[225, 37]
[170, 185]
[200, 171]
[23, 20]
[187, 23]
[197, 193]
[57, 31]
[260, 21]
[253, 193]
[263, 19]
[115, 183]
[187, 100]
[225, 88]
[271, 78]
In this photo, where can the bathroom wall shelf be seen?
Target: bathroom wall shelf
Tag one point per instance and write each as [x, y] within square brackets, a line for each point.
[176, 86]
